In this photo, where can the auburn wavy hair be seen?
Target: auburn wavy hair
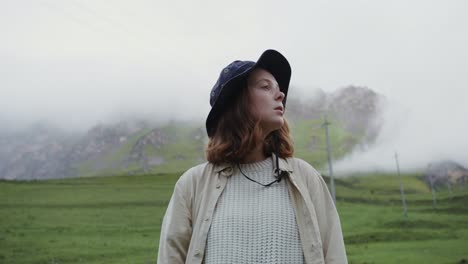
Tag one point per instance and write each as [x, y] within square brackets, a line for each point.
[237, 133]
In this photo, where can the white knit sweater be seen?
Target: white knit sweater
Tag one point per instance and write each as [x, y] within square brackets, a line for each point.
[253, 223]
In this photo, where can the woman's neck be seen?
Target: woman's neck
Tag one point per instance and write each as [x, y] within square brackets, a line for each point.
[255, 155]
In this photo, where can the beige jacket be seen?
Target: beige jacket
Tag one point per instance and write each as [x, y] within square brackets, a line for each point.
[188, 217]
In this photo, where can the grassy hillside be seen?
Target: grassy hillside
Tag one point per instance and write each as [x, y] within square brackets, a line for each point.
[185, 145]
[117, 220]
[181, 151]
[310, 140]
[376, 230]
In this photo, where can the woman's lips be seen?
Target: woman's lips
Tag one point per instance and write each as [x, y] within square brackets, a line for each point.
[279, 108]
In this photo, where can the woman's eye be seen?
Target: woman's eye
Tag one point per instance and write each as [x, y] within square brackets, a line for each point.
[266, 87]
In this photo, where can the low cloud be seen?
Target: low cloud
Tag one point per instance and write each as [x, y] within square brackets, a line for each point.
[419, 133]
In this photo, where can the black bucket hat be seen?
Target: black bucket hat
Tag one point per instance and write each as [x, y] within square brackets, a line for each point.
[233, 76]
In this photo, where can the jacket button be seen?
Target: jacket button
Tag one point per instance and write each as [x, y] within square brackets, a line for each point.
[197, 253]
[218, 186]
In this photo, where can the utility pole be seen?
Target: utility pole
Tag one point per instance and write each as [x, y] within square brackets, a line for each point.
[402, 191]
[431, 182]
[330, 167]
[434, 199]
[449, 185]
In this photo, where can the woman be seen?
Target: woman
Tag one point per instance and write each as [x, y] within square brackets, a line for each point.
[253, 202]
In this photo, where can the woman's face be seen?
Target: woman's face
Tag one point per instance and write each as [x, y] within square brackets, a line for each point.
[266, 100]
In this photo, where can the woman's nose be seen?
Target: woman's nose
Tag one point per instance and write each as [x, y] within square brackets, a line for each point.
[280, 96]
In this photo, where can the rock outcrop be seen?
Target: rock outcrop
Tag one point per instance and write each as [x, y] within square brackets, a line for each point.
[445, 172]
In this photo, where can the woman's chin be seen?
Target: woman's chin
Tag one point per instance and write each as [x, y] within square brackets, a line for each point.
[276, 125]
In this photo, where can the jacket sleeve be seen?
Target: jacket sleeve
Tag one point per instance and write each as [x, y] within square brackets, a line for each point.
[176, 229]
[329, 222]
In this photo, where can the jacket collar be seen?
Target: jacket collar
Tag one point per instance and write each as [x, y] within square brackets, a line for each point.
[284, 165]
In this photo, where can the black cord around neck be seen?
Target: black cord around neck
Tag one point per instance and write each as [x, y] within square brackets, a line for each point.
[266, 185]
[276, 139]
[277, 170]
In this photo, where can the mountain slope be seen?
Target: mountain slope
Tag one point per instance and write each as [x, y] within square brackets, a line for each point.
[140, 146]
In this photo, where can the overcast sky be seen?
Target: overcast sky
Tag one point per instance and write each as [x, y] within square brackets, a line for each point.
[79, 62]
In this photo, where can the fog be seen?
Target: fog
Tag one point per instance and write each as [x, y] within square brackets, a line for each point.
[75, 63]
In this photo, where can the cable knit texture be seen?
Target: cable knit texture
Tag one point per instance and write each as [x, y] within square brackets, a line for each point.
[253, 223]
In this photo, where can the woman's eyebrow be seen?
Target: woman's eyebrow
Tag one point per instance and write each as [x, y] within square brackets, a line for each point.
[264, 79]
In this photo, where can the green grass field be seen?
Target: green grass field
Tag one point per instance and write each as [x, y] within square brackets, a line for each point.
[117, 220]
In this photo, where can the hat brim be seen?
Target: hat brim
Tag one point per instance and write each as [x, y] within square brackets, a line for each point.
[270, 60]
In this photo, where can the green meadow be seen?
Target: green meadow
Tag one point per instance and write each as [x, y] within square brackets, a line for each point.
[117, 219]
